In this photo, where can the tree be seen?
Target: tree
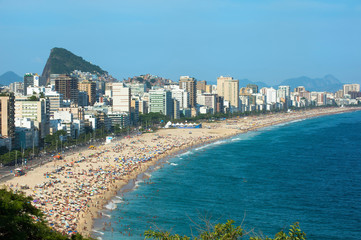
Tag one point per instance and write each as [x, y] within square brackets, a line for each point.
[33, 98]
[227, 231]
[19, 219]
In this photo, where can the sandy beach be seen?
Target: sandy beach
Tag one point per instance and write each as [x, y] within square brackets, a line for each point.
[71, 191]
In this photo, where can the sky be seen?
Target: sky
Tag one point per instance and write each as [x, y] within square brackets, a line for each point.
[265, 40]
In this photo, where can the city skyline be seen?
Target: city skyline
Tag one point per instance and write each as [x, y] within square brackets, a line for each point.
[269, 41]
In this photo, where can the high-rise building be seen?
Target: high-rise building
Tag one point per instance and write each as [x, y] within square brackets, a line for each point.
[228, 88]
[134, 105]
[7, 114]
[208, 89]
[66, 85]
[190, 85]
[55, 101]
[121, 98]
[90, 88]
[300, 89]
[176, 110]
[160, 101]
[17, 87]
[32, 80]
[138, 89]
[254, 87]
[201, 86]
[182, 96]
[36, 110]
[208, 100]
[351, 88]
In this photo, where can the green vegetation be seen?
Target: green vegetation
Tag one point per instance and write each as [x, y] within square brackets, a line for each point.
[62, 61]
[227, 231]
[33, 98]
[21, 220]
[7, 157]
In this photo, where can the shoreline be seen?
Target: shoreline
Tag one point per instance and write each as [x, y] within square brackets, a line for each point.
[204, 144]
[176, 142]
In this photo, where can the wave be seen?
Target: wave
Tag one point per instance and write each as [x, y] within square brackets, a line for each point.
[197, 149]
[99, 232]
[137, 184]
[174, 164]
[186, 153]
[111, 206]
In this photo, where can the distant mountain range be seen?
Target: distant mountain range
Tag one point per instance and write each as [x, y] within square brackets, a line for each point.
[62, 61]
[10, 77]
[328, 83]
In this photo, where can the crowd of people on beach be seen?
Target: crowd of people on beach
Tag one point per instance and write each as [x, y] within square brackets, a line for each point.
[66, 193]
[71, 191]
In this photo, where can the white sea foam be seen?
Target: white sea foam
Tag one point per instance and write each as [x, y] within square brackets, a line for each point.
[111, 205]
[186, 153]
[236, 139]
[174, 164]
[96, 231]
[219, 142]
[200, 148]
[148, 174]
[137, 184]
[117, 201]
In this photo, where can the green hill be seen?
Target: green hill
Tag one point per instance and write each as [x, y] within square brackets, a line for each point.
[62, 61]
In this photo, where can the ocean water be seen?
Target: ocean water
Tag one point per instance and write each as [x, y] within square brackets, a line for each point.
[307, 171]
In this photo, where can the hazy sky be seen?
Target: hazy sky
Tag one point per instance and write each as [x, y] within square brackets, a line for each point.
[267, 41]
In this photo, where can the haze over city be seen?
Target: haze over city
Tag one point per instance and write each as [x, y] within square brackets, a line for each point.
[266, 41]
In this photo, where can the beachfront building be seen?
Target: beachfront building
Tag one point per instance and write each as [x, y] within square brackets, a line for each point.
[190, 85]
[26, 135]
[160, 101]
[208, 100]
[228, 88]
[37, 110]
[182, 96]
[283, 95]
[134, 111]
[319, 98]
[119, 119]
[7, 114]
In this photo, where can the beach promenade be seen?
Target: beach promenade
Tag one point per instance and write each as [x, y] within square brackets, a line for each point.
[71, 191]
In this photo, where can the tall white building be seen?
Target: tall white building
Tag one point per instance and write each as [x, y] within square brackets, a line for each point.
[351, 88]
[182, 96]
[271, 95]
[121, 98]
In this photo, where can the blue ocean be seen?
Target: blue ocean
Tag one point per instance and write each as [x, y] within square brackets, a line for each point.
[307, 171]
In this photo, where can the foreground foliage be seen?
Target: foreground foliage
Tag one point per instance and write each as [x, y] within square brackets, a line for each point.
[21, 220]
[227, 231]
